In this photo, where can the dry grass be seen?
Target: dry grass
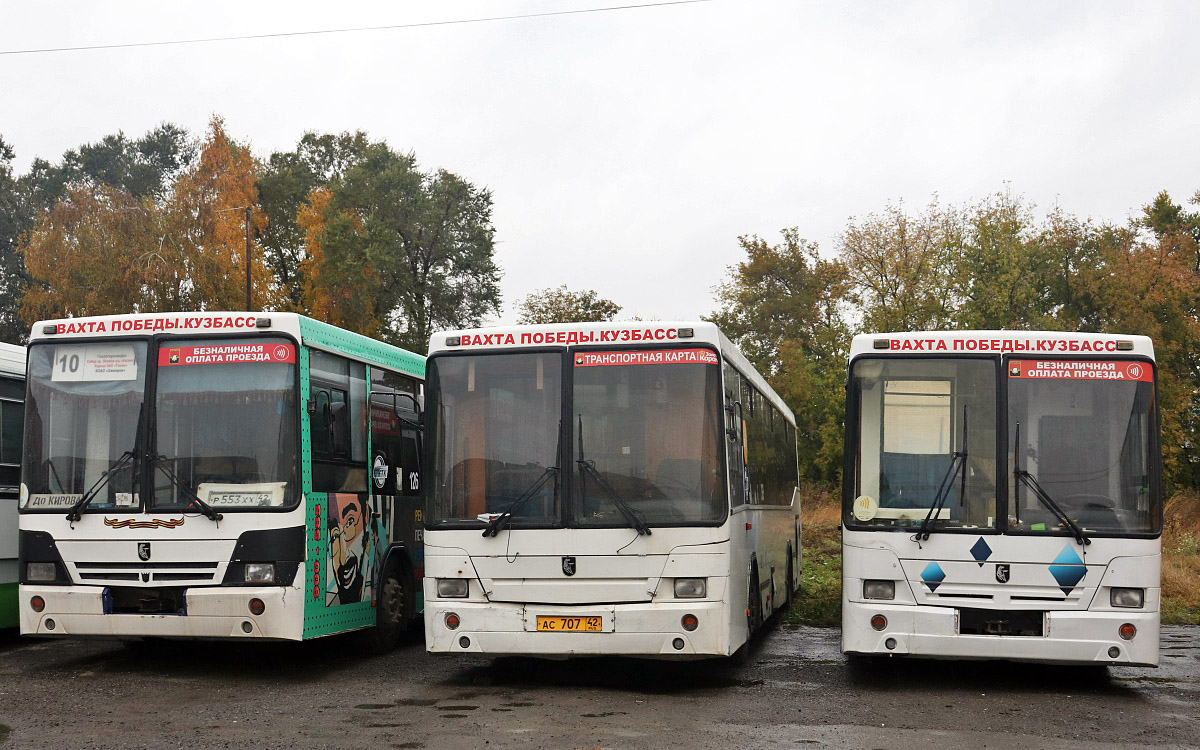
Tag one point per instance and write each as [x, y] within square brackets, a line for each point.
[820, 599]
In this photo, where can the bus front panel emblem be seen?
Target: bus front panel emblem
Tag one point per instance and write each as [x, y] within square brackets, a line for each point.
[568, 566]
[1002, 572]
[144, 551]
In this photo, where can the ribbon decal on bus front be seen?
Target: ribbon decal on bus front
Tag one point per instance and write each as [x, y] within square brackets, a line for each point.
[1080, 370]
[224, 354]
[647, 357]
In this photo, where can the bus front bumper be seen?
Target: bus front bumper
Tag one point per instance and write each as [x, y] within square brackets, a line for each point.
[1071, 636]
[647, 630]
[216, 612]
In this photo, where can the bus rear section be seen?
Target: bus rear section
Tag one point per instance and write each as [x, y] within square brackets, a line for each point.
[217, 475]
[1003, 498]
[579, 496]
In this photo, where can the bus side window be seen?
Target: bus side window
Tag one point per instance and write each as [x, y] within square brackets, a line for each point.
[734, 414]
[338, 422]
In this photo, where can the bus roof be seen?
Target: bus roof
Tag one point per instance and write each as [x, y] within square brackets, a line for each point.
[627, 334]
[311, 332]
[1005, 342]
[12, 359]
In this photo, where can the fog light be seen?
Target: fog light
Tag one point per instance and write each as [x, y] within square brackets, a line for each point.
[677, 644]
[690, 588]
[879, 622]
[41, 571]
[257, 607]
[259, 573]
[1114, 652]
[689, 622]
[247, 626]
[452, 588]
[1128, 631]
[890, 644]
[37, 603]
[49, 624]
[1129, 598]
[452, 621]
[879, 589]
[464, 641]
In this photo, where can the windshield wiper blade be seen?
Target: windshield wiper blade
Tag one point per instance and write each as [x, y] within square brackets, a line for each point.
[958, 463]
[589, 467]
[76, 511]
[1043, 496]
[493, 526]
[190, 494]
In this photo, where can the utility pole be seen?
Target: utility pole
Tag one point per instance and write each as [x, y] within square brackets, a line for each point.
[249, 307]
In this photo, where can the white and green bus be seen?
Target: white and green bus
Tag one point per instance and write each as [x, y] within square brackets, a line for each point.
[219, 475]
[12, 400]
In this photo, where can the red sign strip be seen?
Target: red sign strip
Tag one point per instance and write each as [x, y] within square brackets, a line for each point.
[224, 354]
[647, 357]
[1072, 369]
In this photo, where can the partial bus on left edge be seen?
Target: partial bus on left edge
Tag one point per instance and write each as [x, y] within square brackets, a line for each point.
[12, 404]
[219, 475]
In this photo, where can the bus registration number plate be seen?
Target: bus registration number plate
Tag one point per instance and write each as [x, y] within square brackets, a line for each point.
[547, 624]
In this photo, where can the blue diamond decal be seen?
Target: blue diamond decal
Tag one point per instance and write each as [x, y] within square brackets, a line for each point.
[981, 551]
[1068, 569]
[933, 575]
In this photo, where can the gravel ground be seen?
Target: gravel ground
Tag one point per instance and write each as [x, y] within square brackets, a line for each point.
[796, 689]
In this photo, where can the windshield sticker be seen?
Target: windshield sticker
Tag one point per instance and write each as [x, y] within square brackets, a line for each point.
[224, 354]
[1080, 370]
[52, 500]
[647, 357]
[94, 363]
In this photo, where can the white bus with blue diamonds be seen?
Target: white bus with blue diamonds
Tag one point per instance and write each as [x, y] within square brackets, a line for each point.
[604, 488]
[1002, 497]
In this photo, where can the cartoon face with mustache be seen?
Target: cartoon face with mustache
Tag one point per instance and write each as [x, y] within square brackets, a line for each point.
[347, 546]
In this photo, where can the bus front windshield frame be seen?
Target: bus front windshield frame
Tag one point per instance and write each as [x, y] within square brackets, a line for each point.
[923, 444]
[1088, 438]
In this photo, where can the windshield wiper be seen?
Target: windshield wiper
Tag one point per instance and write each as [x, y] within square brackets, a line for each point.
[589, 467]
[958, 462]
[1041, 494]
[159, 462]
[76, 511]
[493, 526]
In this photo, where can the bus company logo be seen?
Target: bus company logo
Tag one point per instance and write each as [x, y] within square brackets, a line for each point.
[1002, 572]
[143, 551]
[1015, 371]
[173, 357]
[1135, 371]
[568, 566]
[157, 523]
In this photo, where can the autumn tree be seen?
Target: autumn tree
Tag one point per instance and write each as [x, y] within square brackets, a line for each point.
[560, 305]
[395, 253]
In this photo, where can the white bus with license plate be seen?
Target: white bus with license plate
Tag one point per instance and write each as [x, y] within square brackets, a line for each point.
[219, 475]
[604, 488]
[1002, 497]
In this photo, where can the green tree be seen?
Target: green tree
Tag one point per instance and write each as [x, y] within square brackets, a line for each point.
[405, 251]
[560, 305]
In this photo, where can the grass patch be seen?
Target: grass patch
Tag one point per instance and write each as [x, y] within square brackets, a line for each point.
[819, 602]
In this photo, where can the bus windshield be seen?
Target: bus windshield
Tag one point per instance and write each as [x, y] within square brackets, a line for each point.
[647, 430]
[495, 427]
[924, 443]
[1085, 433]
[226, 423]
[83, 415]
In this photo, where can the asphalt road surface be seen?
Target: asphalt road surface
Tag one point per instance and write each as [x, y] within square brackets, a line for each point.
[796, 690]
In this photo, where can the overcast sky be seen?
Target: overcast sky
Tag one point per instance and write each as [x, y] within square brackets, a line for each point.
[627, 150]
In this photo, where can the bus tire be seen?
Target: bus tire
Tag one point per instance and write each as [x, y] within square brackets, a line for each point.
[754, 613]
[391, 612]
[791, 579]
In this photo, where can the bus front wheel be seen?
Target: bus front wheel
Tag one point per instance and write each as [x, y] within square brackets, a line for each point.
[391, 608]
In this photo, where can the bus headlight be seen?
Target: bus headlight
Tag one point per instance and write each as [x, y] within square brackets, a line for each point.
[452, 588]
[1130, 598]
[691, 588]
[41, 571]
[879, 589]
[259, 573]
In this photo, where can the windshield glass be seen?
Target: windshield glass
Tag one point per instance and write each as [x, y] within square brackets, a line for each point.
[913, 415]
[1087, 435]
[82, 415]
[226, 423]
[495, 429]
[647, 427]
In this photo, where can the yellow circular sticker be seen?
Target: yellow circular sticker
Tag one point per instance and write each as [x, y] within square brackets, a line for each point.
[865, 507]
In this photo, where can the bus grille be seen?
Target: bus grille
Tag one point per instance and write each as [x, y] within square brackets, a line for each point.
[146, 572]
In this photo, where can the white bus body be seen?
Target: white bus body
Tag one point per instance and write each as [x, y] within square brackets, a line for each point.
[663, 416]
[12, 398]
[1042, 448]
